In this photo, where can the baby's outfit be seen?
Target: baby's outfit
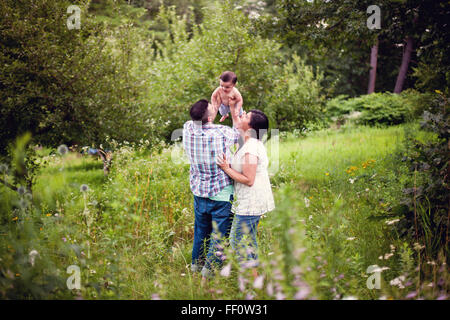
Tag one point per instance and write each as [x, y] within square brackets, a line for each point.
[224, 110]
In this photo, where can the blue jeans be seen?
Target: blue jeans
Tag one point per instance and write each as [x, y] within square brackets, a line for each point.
[243, 238]
[208, 213]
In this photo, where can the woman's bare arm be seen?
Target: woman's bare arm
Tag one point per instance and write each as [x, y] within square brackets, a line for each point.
[248, 174]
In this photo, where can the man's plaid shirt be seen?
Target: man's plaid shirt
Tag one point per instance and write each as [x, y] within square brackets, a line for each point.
[202, 144]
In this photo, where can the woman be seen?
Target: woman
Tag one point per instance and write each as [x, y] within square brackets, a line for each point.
[253, 194]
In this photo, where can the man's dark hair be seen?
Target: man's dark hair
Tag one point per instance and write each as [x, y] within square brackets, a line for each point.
[259, 123]
[228, 76]
[199, 111]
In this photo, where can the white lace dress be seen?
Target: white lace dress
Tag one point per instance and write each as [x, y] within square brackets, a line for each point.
[257, 199]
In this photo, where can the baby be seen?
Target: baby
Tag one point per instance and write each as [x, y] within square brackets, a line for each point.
[226, 92]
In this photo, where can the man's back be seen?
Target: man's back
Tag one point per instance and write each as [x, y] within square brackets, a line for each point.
[202, 144]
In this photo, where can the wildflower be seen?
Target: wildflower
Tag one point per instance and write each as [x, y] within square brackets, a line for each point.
[242, 282]
[411, 295]
[351, 180]
[442, 297]
[17, 274]
[269, 289]
[249, 296]
[259, 282]
[48, 214]
[302, 293]
[306, 202]
[15, 218]
[398, 282]
[84, 188]
[418, 247]
[225, 272]
[351, 238]
[327, 173]
[388, 255]
[156, 296]
[280, 296]
[350, 298]
[391, 222]
[62, 149]
[438, 91]
[32, 256]
[183, 274]
[64, 239]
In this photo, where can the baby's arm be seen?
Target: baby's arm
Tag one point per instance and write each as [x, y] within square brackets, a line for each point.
[239, 100]
[215, 99]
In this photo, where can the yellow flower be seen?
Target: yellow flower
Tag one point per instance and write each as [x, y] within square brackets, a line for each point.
[327, 174]
[48, 214]
[311, 197]
[438, 91]
[15, 218]
[17, 274]
[41, 229]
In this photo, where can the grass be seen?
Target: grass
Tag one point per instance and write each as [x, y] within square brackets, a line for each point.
[333, 191]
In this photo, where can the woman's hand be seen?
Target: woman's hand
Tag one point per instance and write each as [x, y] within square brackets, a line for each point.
[222, 162]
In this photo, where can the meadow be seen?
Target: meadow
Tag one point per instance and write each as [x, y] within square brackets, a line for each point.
[331, 236]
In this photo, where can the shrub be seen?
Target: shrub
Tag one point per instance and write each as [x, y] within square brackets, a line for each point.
[379, 108]
[427, 196]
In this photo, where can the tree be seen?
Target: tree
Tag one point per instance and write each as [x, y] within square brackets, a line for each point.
[65, 86]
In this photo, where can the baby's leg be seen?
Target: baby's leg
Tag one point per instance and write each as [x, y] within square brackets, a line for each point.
[223, 118]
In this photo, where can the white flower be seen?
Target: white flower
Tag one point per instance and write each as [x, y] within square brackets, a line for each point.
[307, 202]
[351, 180]
[32, 256]
[302, 293]
[398, 282]
[225, 272]
[350, 298]
[390, 222]
[259, 282]
[388, 255]
[351, 238]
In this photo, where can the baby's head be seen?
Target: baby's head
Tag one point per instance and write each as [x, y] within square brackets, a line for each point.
[228, 80]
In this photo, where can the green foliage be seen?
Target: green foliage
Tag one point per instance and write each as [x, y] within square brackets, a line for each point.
[297, 97]
[379, 108]
[427, 197]
[67, 86]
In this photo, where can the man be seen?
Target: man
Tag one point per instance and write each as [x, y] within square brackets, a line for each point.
[203, 141]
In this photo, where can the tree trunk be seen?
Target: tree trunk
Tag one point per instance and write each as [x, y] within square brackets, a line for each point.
[373, 68]
[404, 67]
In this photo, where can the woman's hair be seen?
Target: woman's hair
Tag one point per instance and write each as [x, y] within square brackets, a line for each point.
[259, 123]
[228, 76]
[199, 111]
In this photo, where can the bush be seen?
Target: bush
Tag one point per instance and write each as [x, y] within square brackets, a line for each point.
[68, 86]
[379, 108]
[426, 194]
